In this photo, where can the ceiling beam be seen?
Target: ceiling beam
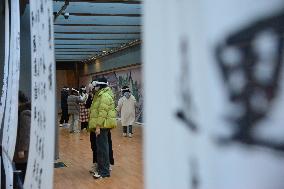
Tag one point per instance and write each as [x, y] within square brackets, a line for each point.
[76, 54]
[77, 51]
[91, 44]
[63, 8]
[103, 54]
[111, 25]
[75, 48]
[98, 33]
[94, 39]
[96, 14]
[106, 1]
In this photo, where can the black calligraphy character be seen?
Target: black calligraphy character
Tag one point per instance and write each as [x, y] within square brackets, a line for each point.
[44, 91]
[40, 177]
[252, 77]
[49, 29]
[37, 172]
[41, 6]
[50, 77]
[35, 68]
[33, 18]
[183, 112]
[36, 91]
[34, 168]
[34, 43]
[39, 146]
[43, 67]
[35, 113]
[42, 150]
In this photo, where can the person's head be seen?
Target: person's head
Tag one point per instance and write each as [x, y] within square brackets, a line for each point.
[82, 89]
[65, 88]
[126, 91]
[100, 83]
[74, 92]
[22, 98]
[89, 88]
[24, 103]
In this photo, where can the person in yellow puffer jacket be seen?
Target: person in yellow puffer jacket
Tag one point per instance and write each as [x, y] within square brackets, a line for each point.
[102, 119]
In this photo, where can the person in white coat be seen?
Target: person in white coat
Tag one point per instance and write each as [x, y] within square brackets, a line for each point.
[126, 106]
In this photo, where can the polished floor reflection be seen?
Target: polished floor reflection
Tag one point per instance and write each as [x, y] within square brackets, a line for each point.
[76, 153]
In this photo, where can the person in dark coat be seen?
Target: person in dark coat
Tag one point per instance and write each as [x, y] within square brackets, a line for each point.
[23, 135]
[64, 107]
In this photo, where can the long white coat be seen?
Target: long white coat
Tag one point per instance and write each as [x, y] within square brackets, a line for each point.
[126, 107]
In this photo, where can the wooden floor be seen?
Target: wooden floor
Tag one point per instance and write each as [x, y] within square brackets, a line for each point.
[76, 153]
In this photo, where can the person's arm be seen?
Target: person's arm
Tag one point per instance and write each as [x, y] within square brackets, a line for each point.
[119, 105]
[83, 97]
[135, 102]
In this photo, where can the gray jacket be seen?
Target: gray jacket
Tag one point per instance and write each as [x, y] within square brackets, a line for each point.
[73, 104]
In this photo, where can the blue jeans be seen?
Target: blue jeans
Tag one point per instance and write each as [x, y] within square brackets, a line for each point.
[103, 153]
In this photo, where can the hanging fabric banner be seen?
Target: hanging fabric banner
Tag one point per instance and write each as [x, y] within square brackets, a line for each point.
[6, 64]
[240, 53]
[6, 61]
[219, 98]
[166, 72]
[11, 108]
[41, 153]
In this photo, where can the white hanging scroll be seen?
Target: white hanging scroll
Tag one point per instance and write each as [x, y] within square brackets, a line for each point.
[218, 102]
[41, 153]
[168, 162]
[242, 51]
[11, 109]
[6, 61]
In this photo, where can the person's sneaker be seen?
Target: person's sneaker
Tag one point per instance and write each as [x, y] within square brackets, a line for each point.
[129, 135]
[94, 169]
[98, 176]
[124, 134]
[60, 125]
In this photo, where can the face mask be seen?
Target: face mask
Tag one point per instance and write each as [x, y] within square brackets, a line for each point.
[127, 94]
[97, 88]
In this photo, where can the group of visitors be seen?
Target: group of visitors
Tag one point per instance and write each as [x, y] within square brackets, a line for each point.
[95, 109]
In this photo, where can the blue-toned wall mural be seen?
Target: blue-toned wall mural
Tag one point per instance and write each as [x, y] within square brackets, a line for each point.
[117, 79]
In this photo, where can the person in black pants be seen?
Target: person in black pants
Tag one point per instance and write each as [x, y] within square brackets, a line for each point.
[93, 139]
[64, 106]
